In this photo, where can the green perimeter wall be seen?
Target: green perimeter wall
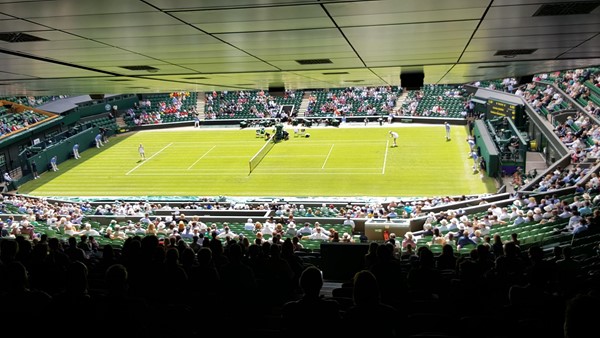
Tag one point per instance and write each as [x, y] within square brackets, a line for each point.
[487, 148]
[63, 151]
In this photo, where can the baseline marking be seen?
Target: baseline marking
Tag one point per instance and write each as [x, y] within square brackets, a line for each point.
[291, 170]
[270, 173]
[148, 159]
[387, 143]
[198, 160]
[327, 158]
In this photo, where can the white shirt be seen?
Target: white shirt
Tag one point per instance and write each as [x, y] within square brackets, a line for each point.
[267, 229]
[318, 235]
[349, 222]
[248, 226]
[270, 224]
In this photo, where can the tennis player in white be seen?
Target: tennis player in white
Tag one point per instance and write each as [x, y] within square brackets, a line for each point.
[394, 135]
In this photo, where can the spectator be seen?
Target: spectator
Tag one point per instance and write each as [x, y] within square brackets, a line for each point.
[408, 241]
[368, 308]
[311, 302]
[580, 316]
[349, 222]
[8, 182]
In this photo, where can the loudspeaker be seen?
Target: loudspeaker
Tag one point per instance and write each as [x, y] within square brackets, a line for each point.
[277, 91]
[96, 96]
[412, 81]
[524, 79]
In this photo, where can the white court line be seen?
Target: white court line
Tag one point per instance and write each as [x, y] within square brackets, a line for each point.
[270, 173]
[387, 146]
[148, 159]
[301, 170]
[198, 160]
[327, 158]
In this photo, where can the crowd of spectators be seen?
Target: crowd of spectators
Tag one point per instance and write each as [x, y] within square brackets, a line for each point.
[353, 101]
[34, 101]
[436, 101]
[257, 104]
[578, 214]
[579, 132]
[11, 122]
[174, 108]
[414, 291]
[64, 217]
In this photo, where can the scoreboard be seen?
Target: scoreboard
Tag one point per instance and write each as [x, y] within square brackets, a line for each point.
[497, 108]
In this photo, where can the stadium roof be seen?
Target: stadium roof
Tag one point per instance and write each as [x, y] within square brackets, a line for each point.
[130, 46]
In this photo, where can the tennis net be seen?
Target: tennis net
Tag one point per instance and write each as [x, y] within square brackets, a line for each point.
[255, 160]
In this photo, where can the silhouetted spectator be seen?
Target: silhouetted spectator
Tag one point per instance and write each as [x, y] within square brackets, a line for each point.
[311, 303]
[368, 308]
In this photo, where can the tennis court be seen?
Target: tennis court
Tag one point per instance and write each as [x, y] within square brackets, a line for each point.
[331, 162]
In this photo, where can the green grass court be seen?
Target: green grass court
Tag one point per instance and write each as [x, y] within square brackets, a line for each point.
[331, 162]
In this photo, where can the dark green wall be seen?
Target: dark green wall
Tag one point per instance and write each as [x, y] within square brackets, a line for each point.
[63, 151]
[487, 148]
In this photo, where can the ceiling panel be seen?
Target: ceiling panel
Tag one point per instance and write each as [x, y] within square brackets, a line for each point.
[413, 62]
[591, 45]
[526, 2]
[278, 39]
[34, 68]
[107, 20]
[510, 12]
[365, 13]
[579, 55]
[553, 22]
[344, 8]
[134, 32]
[412, 17]
[159, 69]
[19, 26]
[486, 56]
[255, 43]
[83, 54]
[42, 46]
[54, 35]
[273, 55]
[513, 69]
[121, 61]
[230, 67]
[63, 8]
[525, 31]
[205, 58]
[410, 53]
[405, 44]
[335, 64]
[258, 19]
[524, 42]
[159, 41]
[212, 4]
[365, 39]
[10, 76]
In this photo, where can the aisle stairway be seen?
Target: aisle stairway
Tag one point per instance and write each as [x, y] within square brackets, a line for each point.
[200, 105]
[535, 160]
[304, 104]
[120, 121]
[400, 101]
